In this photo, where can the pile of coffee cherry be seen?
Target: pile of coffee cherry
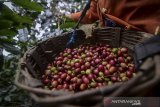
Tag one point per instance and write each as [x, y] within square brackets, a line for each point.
[88, 66]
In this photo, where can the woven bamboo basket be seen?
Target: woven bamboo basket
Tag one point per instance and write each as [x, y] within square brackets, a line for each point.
[36, 59]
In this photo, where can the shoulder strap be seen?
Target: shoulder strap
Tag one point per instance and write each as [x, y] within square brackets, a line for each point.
[83, 13]
[73, 35]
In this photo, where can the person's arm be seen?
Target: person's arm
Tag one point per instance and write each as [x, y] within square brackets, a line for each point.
[90, 16]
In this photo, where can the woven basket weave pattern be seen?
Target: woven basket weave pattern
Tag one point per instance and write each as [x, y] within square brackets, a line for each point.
[36, 59]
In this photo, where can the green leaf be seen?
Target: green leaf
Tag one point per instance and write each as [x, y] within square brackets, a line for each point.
[5, 10]
[5, 23]
[22, 19]
[68, 19]
[28, 5]
[11, 48]
[7, 14]
[34, 14]
[67, 25]
[8, 41]
[7, 32]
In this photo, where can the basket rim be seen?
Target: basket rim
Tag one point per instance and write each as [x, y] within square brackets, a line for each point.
[85, 93]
